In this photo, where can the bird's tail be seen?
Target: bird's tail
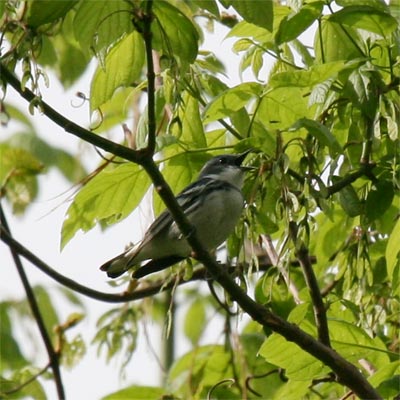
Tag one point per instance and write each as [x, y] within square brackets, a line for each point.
[118, 265]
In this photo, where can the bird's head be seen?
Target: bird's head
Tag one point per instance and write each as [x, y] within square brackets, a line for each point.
[226, 167]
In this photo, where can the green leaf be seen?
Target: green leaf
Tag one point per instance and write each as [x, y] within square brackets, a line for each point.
[385, 373]
[390, 388]
[73, 351]
[362, 85]
[32, 390]
[2, 8]
[230, 101]
[17, 161]
[138, 393]
[18, 170]
[295, 24]
[195, 321]
[307, 78]
[174, 34]
[47, 309]
[300, 366]
[365, 17]
[350, 341]
[320, 132]
[97, 24]
[11, 356]
[110, 197]
[199, 369]
[42, 12]
[50, 156]
[282, 107]
[117, 333]
[192, 126]
[349, 201]
[332, 43]
[62, 53]
[123, 66]
[379, 200]
[16, 114]
[115, 111]
[392, 253]
[378, 4]
[246, 30]
[353, 343]
[209, 5]
[260, 13]
[72, 62]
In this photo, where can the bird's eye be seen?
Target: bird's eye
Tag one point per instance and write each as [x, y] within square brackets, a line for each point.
[222, 160]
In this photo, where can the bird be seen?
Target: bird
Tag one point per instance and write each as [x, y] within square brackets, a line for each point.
[213, 204]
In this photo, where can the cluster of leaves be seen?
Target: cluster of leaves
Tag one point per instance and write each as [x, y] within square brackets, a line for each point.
[324, 126]
[21, 364]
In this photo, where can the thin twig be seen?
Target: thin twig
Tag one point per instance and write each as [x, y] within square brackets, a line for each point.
[273, 256]
[147, 19]
[259, 376]
[312, 283]
[28, 381]
[53, 355]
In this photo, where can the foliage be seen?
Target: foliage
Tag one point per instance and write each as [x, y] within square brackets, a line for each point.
[323, 126]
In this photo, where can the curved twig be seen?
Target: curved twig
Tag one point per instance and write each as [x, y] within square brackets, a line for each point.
[252, 377]
[230, 380]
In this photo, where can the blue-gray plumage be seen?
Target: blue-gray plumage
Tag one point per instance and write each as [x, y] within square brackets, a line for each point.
[212, 204]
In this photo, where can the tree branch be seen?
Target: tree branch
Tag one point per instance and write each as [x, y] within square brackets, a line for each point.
[347, 373]
[84, 290]
[148, 37]
[37, 315]
[69, 126]
[312, 283]
[150, 290]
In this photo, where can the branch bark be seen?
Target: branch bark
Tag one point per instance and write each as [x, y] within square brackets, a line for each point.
[37, 315]
[316, 298]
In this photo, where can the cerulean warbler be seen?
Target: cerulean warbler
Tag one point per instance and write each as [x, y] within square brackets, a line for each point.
[212, 204]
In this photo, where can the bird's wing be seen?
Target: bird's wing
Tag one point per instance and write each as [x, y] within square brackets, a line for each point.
[188, 199]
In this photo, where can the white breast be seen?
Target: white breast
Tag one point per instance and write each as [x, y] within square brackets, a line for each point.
[215, 223]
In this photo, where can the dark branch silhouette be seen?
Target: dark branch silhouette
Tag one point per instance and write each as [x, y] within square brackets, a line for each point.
[347, 374]
[311, 280]
[37, 315]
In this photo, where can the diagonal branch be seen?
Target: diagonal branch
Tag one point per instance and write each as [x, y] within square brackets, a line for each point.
[53, 355]
[347, 373]
[312, 283]
[69, 126]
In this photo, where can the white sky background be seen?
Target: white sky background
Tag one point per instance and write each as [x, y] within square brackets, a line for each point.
[39, 231]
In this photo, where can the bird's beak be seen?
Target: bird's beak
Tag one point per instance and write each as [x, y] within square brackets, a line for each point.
[240, 158]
